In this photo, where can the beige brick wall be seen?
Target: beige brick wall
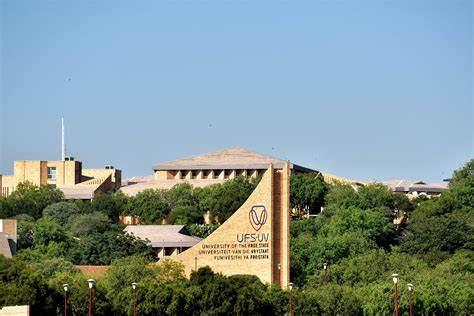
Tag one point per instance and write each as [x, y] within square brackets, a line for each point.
[33, 171]
[9, 227]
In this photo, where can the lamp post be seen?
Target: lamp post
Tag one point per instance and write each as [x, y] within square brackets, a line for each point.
[65, 286]
[134, 297]
[410, 299]
[325, 267]
[395, 293]
[292, 309]
[91, 295]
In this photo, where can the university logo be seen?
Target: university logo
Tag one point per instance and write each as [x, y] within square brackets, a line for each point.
[257, 216]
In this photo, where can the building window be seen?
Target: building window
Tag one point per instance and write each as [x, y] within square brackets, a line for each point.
[52, 173]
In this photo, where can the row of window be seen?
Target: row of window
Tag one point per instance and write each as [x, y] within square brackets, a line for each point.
[206, 173]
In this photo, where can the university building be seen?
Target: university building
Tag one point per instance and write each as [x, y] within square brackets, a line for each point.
[67, 175]
[207, 169]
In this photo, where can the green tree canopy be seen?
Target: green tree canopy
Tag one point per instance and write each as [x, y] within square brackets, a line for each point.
[307, 192]
[29, 199]
[224, 199]
[185, 215]
[85, 224]
[60, 212]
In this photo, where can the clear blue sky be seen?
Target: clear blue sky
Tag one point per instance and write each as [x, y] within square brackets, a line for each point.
[368, 90]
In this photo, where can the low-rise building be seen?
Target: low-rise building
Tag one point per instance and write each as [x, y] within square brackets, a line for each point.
[67, 175]
[166, 240]
[414, 189]
[207, 169]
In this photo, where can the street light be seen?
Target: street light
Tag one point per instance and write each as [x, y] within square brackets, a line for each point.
[134, 297]
[410, 299]
[325, 267]
[91, 295]
[65, 287]
[292, 309]
[395, 293]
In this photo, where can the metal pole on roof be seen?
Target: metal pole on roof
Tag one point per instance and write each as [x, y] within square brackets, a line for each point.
[63, 143]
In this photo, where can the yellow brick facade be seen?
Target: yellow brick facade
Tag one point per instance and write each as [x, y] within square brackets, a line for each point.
[63, 174]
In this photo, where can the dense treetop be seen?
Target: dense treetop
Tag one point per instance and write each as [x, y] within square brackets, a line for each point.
[354, 232]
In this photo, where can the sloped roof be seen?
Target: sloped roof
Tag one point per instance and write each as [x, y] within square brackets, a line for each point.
[163, 235]
[233, 158]
[85, 192]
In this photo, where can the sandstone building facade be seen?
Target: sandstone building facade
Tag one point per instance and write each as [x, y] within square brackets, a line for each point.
[67, 175]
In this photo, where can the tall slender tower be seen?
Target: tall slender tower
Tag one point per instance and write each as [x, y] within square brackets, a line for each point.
[63, 144]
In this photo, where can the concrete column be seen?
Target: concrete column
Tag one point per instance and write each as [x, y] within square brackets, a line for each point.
[232, 174]
[221, 175]
[188, 174]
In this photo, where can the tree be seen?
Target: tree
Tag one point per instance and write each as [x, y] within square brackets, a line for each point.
[137, 268]
[375, 195]
[185, 215]
[85, 224]
[111, 204]
[201, 230]
[47, 231]
[224, 199]
[22, 285]
[448, 233]
[341, 196]
[29, 199]
[182, 195]
[150, 205]
[60, 212]
[103, 248]
[444, 224]
[307, 192]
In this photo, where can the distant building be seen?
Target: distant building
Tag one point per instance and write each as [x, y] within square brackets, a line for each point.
[166, 240]
[207, 169]
[8, 237]
[415, 189]
[67, 175]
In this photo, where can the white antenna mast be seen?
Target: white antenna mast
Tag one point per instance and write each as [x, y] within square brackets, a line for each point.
[63, 144]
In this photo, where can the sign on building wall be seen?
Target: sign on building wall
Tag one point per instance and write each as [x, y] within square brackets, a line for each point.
[255, 239]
